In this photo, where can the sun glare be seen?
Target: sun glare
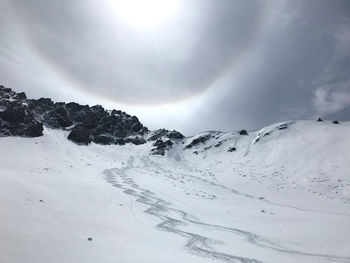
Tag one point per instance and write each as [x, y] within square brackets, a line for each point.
[145, 13]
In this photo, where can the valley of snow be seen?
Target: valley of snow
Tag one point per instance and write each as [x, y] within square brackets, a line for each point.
[283, 195]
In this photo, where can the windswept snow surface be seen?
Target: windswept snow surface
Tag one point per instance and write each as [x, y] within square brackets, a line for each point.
[282, 196]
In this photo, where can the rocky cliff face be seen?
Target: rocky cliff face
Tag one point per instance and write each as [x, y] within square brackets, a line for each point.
[20, 116]
[15, 117]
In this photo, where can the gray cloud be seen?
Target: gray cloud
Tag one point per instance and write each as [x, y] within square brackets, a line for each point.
[264, 61]
[298, 43]
[130, 66]
[330, 99]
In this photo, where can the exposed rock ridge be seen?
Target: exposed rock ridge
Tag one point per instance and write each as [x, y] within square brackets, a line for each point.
[20, 116]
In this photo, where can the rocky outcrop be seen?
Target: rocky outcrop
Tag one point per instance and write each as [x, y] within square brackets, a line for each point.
[232, 149]
[283, 126]
[161, 146]
[57, 117]
[20, 116]
[243, 132]
[198, 140]
[15, 118]
[163, 133]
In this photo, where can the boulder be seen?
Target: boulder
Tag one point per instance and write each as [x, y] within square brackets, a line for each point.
[232, 149]
[243, 132]
[34, 129]
[80, 135]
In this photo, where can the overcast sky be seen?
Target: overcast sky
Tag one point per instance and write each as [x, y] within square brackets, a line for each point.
[191, 65]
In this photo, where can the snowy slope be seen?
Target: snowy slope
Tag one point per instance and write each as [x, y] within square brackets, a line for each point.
[283, 195]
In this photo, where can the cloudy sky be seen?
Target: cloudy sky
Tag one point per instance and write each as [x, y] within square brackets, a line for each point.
[191, 65]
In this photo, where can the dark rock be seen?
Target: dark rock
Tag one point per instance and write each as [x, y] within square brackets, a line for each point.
[17, 120]
[104, 139]
[319, 120]
[34, 129]
[218, 144]
[121, 132]
[161, 147]
[266, 134]
[116, 112]
[283, 126]
[243, 132]
[120, 141]
[175, 135]
[2, 88]
[159, 143]
[137, 126]
[232, 149]
[5, 92]
[80, 135]
[157, 134]
[168, 143]
[20, 116]
[73, 106]
[20, 96]
[14, 113]
[335, 122]
[76, 112]
[57, 118]
[114, 128]
[162, 144]
[40, 106]
[138, 140]
[158, 151]
[198, 140]
[4, 95]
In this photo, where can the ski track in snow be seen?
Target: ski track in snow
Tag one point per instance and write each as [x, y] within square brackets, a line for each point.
[196, 243]
[234, 191]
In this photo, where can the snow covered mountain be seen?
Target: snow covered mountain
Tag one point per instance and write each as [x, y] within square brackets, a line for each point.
[122, 193]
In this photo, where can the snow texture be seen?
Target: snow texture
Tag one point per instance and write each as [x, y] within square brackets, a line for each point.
[283, 195]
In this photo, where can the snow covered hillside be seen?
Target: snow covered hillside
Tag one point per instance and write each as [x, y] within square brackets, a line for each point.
[279, 194]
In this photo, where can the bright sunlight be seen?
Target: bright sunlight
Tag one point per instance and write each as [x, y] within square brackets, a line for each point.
[145, 14]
